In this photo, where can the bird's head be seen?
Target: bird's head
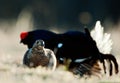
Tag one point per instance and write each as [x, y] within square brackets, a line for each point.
[40, 44]
[23, 35]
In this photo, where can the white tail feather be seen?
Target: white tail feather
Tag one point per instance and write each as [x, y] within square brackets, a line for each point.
[103, 40]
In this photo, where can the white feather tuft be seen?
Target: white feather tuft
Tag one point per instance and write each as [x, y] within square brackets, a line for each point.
[103, 40]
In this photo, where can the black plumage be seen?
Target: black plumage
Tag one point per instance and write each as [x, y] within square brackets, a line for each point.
[79, 47]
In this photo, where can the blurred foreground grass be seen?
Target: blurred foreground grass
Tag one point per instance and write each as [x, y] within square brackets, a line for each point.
[12, 71]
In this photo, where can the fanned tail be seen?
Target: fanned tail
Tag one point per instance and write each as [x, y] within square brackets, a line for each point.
[103, 40]
[111, 59]
[102, 44]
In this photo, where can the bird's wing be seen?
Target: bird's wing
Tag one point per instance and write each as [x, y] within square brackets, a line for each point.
[25, 58]
[53, 61]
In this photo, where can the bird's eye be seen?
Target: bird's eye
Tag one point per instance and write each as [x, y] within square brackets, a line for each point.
[37, 42]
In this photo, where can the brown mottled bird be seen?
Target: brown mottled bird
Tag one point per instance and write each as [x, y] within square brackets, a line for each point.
[40, 56]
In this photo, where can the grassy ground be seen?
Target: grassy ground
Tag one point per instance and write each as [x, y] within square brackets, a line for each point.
[12, 71]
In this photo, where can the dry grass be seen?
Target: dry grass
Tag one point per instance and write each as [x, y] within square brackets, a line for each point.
[12, 71]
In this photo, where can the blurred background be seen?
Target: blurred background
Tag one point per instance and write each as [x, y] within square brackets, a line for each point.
[71, 14]
[55, 15]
